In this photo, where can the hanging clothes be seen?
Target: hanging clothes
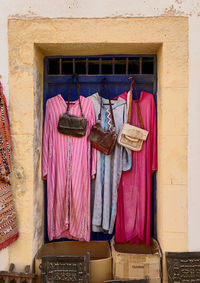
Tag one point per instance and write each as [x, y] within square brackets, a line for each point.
[109, 167]
[133, 220]
[8, 223]
[68, 169]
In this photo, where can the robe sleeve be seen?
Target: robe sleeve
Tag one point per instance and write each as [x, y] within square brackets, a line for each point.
[94, 151]
[153, 138]
[46, 142]
[126, 153]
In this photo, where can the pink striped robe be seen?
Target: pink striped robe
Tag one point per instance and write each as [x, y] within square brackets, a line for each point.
[68, 168]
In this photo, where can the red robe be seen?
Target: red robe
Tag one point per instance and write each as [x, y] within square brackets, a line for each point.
[133, 221]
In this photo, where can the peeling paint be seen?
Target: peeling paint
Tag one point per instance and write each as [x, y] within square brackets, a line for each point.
[85, 9]
[172, 11]
[18, 178]
[178, 1]
[72, 3]
[21, 68]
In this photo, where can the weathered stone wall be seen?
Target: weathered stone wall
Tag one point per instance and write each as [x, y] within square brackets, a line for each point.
[168, 37]
[19, 9]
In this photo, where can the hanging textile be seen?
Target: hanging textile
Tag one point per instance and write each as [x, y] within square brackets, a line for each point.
[133, 220]
[68, 168]
[109, 167]
[8, 225]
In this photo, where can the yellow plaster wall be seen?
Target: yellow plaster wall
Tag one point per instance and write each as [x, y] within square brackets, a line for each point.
[172, 184]
[30, 39]
[22, 129]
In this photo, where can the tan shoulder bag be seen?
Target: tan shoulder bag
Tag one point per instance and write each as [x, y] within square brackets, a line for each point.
[130, 136]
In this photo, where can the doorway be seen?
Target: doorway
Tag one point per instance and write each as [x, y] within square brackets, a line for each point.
[91, 69]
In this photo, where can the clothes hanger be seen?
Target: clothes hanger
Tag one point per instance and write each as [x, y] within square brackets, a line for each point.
[137, 96]
[103, 81]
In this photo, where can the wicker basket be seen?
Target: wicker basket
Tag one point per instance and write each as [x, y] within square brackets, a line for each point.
[183, 267]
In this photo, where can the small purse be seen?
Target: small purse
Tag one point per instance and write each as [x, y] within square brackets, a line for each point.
[103, 141]
[71, 125]
[130, 136]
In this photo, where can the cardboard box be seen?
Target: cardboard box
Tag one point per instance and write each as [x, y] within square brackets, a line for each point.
[100, 257]
[131, 261]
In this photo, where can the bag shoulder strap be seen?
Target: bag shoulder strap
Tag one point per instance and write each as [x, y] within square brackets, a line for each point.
[137, 103]
[111, 110]
[78, 91]
[112, 115]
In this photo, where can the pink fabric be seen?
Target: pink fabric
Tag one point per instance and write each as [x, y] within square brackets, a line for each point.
[123, 95]
[68, 168]
[133, 221]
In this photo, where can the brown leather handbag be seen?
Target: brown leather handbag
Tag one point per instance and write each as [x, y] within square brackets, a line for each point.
[71, 125]
[103, 141]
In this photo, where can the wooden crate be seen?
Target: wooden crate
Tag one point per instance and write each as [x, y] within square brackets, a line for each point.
[131, 261]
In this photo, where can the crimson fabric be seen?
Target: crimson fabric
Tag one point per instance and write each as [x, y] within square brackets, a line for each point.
[133, 221]
[5, 138]
[8, 224]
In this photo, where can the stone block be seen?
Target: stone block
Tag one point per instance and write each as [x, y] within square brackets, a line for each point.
[172, 160]
[22, 77]
[173, 242]
[20, 252]
[172, 110]
[157, 29]
[22, 112]
[24, 208]
[175, 64]
[21, 55]
[172, 208]
[23, 163]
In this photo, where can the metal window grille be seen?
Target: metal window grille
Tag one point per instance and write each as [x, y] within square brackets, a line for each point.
[104, 65]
